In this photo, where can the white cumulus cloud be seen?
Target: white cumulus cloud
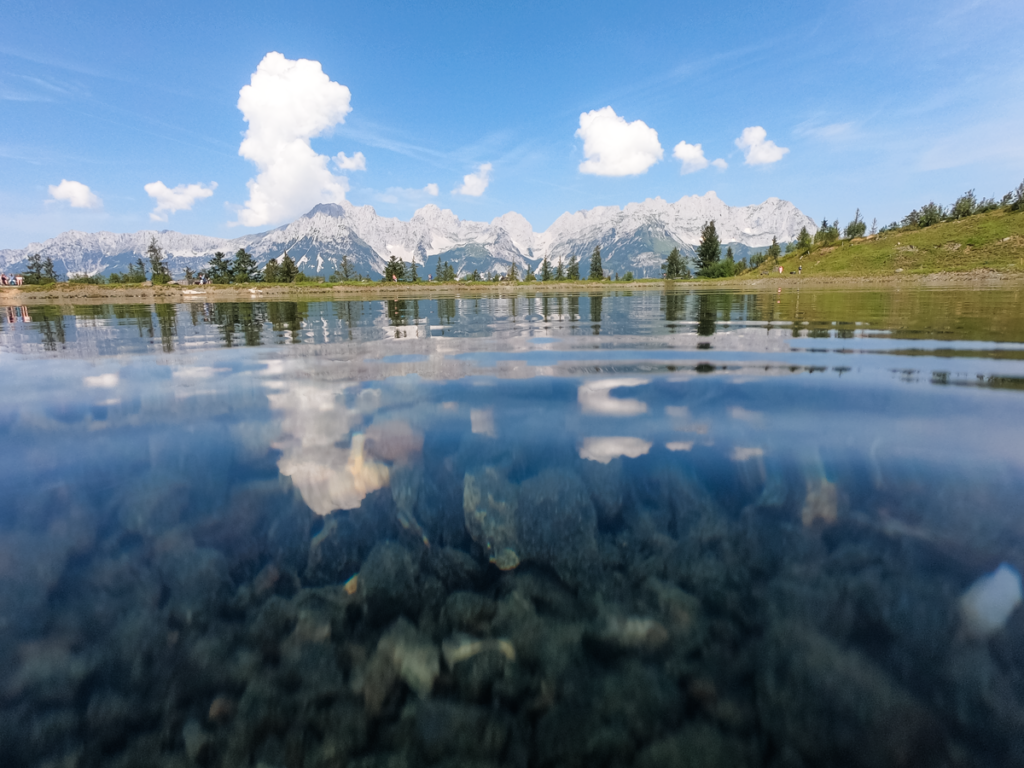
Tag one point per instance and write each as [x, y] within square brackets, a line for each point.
[180, 198]
[75, 193]
[720, 164]
[355, 163]
[474, 184]
[757, 148]
[286, 104]
[691, 155]
[614, 147]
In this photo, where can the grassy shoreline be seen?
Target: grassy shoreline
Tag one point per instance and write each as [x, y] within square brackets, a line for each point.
[982, 250]
[65, 293]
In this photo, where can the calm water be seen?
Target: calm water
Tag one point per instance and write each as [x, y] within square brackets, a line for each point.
[715, 529]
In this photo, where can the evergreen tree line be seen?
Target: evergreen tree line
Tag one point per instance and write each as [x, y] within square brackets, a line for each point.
[968, 204]
[565, 270]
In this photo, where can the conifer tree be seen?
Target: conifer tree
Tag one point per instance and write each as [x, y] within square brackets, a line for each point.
[49, 273]
[596, 270]
[774, 251]
[413, 275]
[137, 272]
[857, 227]
[219, 270]
[34, 272]
[243, 268]
[803, 240]
[560, 271]
[348, 272]
[709, 250]
[394, 269]
[545, 270]
[287, 269]
[157, 264]
[271, 272]
[573, 271]
[674, 265]
[511, 274]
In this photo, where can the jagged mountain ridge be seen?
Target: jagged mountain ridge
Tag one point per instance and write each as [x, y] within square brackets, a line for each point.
[636, 237]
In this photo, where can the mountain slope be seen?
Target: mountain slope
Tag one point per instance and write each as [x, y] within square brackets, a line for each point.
[636, 238]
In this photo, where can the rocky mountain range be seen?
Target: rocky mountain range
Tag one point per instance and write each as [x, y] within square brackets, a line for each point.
[636, 238]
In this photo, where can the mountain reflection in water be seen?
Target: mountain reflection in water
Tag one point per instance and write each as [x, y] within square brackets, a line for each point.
[679, 528]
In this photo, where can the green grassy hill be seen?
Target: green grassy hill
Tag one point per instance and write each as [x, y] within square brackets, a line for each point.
[988, 241]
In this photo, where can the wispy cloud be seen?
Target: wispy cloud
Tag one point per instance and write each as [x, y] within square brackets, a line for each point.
[395, 195]
[180, 198]
[826, 131]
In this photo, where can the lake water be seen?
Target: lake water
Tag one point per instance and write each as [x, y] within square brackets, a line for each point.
[778, 528]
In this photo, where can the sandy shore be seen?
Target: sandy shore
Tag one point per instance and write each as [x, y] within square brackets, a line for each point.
[65, 293]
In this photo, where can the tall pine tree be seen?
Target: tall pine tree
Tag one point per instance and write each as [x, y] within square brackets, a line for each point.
[573, 271]
[157, 264]
[219, 270]
[709, 250]
[243, 268]
[271, 272]
[287, 270]
[674, 265]
[596, 270]
[545, 270]
[393, 270]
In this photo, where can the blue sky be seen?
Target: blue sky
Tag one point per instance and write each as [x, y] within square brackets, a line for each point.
[123, 117]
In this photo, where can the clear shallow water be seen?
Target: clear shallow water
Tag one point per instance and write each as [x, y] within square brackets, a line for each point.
[729, 529]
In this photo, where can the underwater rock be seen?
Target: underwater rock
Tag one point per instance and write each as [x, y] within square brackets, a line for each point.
[393, 440]
[222, 709]
[197, 741]
[469, 611]
[456, 569]
[696, 746]
[48, 671]
[821, 503]
[637, 634]
[446, 729]
[489, 503]
[402, 653]
[275, 619]
[557, 524]
[607, 489]
[388, 583]
[196, 578]
[460, 647]
[989, 602]
[153, 504]
[838, 708]
[476, 675]
[406, 483]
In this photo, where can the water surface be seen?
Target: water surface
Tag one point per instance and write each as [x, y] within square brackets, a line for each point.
[587, 529]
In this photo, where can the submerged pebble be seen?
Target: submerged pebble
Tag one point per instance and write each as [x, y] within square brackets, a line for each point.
[989, 602]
